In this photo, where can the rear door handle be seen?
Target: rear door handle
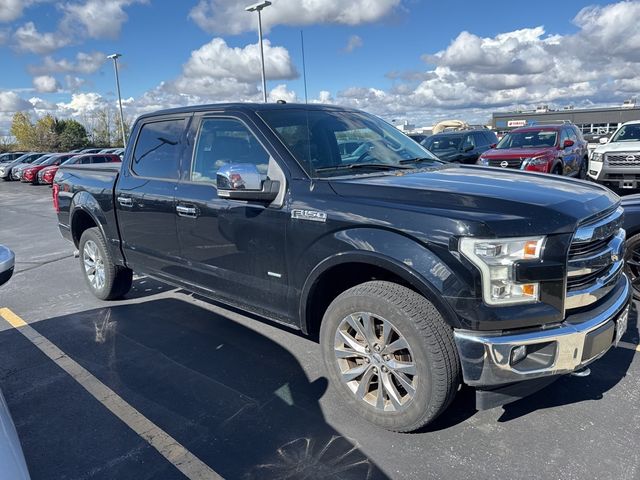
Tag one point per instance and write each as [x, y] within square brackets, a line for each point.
[187, 211]
[125, 201]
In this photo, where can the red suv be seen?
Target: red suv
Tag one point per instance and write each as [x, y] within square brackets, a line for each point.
[557, 149]
[46, 175]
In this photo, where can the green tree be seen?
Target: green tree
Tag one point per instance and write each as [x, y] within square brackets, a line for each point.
[72, 135]
[23, 130]
[46, 134]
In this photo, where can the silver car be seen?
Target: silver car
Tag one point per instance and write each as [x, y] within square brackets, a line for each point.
[18, 170]
[12, 464]
[6, 168]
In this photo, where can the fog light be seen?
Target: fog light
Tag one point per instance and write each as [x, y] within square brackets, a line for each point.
[518, 354]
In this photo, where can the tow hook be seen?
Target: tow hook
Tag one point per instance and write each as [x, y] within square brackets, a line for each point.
[584, 372]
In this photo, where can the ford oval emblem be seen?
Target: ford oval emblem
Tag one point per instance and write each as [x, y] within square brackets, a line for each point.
[504, 164]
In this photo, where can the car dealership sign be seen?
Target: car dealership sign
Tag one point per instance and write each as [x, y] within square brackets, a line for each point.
[516, 123]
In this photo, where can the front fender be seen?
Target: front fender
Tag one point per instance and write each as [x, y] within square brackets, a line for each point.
[419, 266]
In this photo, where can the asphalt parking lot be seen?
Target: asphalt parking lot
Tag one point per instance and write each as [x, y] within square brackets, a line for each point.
[163, 385]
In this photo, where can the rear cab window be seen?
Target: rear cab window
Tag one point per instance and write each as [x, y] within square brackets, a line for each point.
[158, 149]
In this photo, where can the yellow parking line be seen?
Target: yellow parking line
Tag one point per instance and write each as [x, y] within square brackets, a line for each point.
[630, 346]
[185, 461]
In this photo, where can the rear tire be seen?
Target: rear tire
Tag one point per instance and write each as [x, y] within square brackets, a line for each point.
[418, 381]
[106, 280]
[582, 173]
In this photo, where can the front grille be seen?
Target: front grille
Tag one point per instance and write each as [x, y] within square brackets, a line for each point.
[595, 259]
[511, 163]
[629, 159]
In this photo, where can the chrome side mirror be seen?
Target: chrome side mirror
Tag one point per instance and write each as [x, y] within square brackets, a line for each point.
[7, 262]
[243, 181]
[239, 176]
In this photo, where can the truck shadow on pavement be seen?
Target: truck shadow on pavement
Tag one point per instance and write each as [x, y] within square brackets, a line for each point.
[237, 400]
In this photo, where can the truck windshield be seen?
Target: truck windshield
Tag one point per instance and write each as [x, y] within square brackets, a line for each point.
[541, 138]
[628, 133]
[317, 140]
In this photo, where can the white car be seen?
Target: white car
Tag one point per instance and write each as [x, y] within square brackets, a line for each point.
[12, 464]
[616, 163]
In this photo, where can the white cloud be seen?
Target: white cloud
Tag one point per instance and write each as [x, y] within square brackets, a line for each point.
[474, 75]
[45, 84]
[229, 16]
[281, 92]
[85, 63]
[74, 83]
[354, 42]
[28, 39]
[217, 71]
[82, 104]
[98, 18]
[11, 10]
[11, 102]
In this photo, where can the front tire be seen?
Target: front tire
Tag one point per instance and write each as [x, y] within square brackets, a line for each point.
[105, 279]
[632, 264]
[390, 355]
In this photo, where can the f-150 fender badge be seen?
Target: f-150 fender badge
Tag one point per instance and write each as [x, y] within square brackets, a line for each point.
[311, 215]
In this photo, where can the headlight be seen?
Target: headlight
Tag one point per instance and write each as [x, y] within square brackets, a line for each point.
[537, 161]
[596, 157]
[483, 161]
[496, 258]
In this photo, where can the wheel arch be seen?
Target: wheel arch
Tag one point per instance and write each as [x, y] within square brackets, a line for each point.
[342, 271]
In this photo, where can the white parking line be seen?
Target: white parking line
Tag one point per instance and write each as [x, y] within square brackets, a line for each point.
[630, 346]
[185, 461]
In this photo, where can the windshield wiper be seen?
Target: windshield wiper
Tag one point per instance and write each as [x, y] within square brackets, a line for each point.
[350, 166]
[420, 160]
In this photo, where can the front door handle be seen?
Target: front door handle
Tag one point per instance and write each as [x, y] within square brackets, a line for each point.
[125, 201]
[187, 211]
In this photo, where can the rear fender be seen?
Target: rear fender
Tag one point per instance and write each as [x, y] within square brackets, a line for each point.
[86, 203]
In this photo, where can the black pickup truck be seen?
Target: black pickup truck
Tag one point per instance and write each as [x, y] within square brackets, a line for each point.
[415, 275]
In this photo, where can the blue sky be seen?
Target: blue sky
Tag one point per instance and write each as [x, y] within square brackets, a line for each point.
[411, 59]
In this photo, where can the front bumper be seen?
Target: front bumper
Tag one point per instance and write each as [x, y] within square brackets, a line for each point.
[487, 357]
[618, 177]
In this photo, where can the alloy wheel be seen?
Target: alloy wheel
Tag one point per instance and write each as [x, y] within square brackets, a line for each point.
[375, 361]
[93, 265]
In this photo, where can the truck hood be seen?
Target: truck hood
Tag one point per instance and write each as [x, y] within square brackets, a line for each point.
[485, 201]
[517, 153]
[618, 147]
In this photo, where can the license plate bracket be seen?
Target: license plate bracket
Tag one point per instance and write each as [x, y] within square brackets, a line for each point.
[598, 340]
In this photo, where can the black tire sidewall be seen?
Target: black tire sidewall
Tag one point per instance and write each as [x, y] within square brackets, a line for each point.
[632, 243]
[421, 402]
[94, 235]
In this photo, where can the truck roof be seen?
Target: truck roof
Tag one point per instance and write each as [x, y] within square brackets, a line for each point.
[248, 107]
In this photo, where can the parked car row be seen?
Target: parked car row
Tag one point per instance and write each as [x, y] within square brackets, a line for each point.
[40, 168]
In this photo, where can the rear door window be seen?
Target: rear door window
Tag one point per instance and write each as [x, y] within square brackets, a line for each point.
[480, 139]
[158, 149]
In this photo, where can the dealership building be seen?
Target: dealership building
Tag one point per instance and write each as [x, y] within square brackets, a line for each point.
[589, 120]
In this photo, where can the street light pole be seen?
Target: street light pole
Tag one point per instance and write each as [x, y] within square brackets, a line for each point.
[115, 57]
[258, 7]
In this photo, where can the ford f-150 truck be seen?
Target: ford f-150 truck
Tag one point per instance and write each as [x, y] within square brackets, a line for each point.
[414, 274]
